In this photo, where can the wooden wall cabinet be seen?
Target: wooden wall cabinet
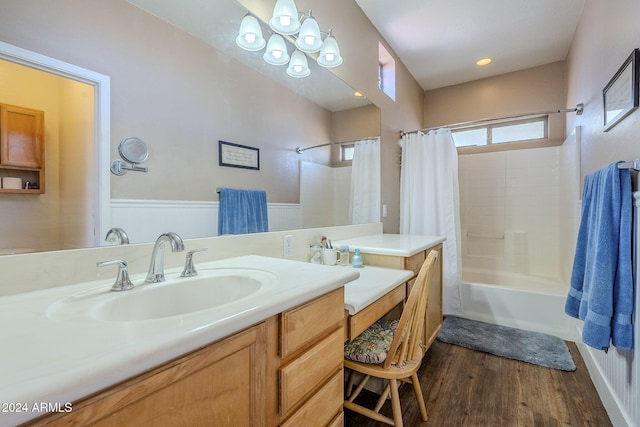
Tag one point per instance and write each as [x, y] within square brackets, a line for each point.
[22, 146]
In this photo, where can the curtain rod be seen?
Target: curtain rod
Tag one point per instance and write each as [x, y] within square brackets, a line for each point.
[578, 110]
[299, 150]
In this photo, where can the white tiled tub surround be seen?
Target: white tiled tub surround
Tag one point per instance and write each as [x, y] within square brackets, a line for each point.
[511, 210]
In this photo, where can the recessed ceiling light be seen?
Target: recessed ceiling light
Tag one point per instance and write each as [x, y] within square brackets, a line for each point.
[358, 94]
[482, 62]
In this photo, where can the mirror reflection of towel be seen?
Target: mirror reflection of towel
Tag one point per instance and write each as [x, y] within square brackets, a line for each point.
[601, 291]
[242, 211]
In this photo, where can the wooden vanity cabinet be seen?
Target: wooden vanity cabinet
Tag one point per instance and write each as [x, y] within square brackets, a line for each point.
[222, 384]
[414, 263]
[306, 348]
[22, 146]
[287, 370]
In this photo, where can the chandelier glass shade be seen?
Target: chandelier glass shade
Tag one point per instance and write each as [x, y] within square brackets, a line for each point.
[330, 53]
[298, 66]
[276, 52]
[287, 21]
[309, 39]
[250, 35]
[285, 18]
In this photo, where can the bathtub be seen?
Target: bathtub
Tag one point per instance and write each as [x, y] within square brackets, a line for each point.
[516, 300]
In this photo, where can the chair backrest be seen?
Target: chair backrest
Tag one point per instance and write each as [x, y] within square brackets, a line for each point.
[406, 344]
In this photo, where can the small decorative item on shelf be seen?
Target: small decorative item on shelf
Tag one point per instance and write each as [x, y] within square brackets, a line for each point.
[315, 253]
[344, 255]
[356, 260]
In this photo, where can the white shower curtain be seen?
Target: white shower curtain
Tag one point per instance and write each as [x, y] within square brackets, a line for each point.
[365, 182]
[429, 202]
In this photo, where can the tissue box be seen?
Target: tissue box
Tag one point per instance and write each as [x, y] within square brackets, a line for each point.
[12, 182]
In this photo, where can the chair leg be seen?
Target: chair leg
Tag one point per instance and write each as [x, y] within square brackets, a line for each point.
[352, 380]
[383, 398]
[395, 403]
[418, 391]
[359, 388]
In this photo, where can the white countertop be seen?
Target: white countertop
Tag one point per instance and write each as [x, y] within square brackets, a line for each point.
[373, 283]
[50, 360]
[404, 245]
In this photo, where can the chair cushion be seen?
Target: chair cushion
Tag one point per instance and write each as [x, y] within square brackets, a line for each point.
[371, 346]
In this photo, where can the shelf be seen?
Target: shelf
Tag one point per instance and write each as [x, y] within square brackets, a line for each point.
[20, 191]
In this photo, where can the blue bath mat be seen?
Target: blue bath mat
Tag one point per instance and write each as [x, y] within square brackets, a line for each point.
[533, 347]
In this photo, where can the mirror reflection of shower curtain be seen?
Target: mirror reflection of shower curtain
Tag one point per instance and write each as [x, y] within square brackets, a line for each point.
[365, 182]
[429, 202]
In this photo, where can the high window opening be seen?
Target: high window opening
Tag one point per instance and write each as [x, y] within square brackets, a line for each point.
[386, 72]
[347, 152]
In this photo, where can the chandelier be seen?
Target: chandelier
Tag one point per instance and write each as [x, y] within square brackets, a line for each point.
[304, 28]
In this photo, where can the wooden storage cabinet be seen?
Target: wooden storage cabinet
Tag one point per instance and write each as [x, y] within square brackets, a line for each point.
[287, 370]
[22, 146]
[307, 379]
[219, 385]
[414, 263]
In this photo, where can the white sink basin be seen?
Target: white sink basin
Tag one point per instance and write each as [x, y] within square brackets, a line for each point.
[210, 289]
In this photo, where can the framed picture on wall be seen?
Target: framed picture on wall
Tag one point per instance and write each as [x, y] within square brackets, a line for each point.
[238, 156]
[620, 95]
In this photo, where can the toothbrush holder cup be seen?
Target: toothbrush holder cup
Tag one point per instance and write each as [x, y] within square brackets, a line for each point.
[329, 256]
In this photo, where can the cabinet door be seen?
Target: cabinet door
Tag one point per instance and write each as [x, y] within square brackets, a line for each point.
[219, 385]
[21, 140]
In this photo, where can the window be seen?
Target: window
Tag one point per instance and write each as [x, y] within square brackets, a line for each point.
[386, 72]
[346, 152]
[500, 133]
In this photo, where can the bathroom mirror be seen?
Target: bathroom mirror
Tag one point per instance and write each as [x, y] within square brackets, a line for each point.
[132, 71]
[133, 150]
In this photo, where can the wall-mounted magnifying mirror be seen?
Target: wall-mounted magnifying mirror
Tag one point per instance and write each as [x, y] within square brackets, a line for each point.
[134, 151]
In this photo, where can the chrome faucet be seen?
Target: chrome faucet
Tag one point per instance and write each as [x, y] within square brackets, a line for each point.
[122, 283]
[189, 268]
[156, 268]
[117, 233]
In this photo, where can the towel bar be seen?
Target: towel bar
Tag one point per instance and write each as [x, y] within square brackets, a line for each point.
[633, 164]
[486, 236]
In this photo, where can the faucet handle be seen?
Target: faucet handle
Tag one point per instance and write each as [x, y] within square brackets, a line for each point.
[189, 268]
[122, 283]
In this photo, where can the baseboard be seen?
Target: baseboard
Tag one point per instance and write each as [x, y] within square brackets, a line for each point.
[603, 387]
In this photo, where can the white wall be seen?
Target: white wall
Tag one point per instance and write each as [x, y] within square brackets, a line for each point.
[606, 35]
[144, 220]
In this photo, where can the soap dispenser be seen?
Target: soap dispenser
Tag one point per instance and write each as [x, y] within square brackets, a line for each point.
[356, 260]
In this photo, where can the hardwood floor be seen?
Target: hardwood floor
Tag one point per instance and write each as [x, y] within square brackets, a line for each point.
[469, 388]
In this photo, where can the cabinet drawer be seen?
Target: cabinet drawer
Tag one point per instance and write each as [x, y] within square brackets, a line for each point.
[360, 321]
[323, 407]
[338, 421]
[301, 376]
[304, 325]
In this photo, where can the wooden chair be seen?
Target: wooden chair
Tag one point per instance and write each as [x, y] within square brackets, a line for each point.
[397, 361]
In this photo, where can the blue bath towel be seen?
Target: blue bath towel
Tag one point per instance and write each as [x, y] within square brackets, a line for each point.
[601, 291]
[242, 211]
